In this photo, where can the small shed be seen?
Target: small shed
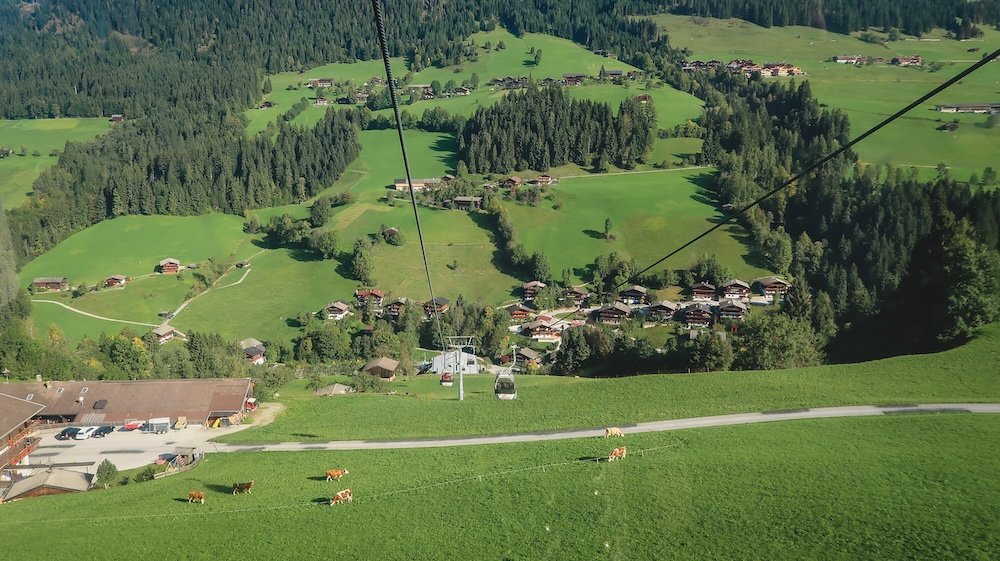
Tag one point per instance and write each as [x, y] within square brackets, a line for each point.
[383, 367]
[52, 481]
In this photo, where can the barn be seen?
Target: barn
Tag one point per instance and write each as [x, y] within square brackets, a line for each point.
[383, 367]
[52, 481]
[16, 423]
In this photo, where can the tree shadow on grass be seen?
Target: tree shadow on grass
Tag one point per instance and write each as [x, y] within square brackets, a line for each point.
[594, 234]
[497, 259]
[447, 151]
[303, 255]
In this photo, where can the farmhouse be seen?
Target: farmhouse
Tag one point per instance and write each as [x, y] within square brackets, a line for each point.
[781, 69]
[16, 423]
[438, 305]
[732, 309]
[266, 105]
[321, 101]
[969, 108]
[531, 288]
[908, 60]
[400, 184]
[528, 356]
[850, 59]
[170, 266]
[164, 332]
[467, 203]
[383, 367]
[735, 289]
[372, 296]
[117, 118]
[462, 91]
[576, 296]
[544, 180]
[254, 350]
[661, 311]
[541, 330]
[50, 283]
[519, 312]
[455, 361]
[115, 402]
[337, 310]
[613, 314]
[772, 285]
[634, 295]
[319, 83]
[395, 308]
[702, 291]
[513, 181]
[115, 280]
[698, 315]
[573, 79]
[644, 98]
[51, 481]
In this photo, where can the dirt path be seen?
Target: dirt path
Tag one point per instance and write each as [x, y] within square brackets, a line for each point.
[211, 288]
[95, 316]
[267, 413]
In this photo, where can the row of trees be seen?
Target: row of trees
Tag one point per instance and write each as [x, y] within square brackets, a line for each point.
[541, 128]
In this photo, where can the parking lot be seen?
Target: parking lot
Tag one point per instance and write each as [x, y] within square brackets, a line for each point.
[127, 450]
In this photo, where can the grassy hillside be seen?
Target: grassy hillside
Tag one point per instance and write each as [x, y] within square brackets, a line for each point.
[873, 488]
[652, 213]
[869, 94]
[17, 173]
[965, 374]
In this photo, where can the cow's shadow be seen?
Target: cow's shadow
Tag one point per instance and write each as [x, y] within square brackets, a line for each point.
[321, 501]
[216, 488]
[180, 500]
[318, 478]
[592, 459]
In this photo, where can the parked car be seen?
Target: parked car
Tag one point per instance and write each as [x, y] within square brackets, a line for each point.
[67, 433]
[84, 433]
[103, 431]
[128, 427]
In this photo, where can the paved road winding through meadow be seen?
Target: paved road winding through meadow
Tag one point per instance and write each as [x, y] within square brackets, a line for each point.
[654, 426]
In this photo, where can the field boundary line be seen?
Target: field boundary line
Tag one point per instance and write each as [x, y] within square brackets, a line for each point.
[633, 172]
[95, 316]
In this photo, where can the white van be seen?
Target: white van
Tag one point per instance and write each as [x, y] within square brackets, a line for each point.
[85, 433]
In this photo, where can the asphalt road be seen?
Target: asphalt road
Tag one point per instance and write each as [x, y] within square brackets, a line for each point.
[654, 426]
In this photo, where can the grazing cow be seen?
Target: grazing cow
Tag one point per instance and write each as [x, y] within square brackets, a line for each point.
[344, 496]
[613, 431]
[242, 487]
[196, 497]
[336, 474]
[618, 454]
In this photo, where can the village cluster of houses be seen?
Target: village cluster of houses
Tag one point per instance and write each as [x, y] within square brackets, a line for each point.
[746, 67]
[471, 202]
[859, 60]
[708, 304]
[359, 96]
[572, 79]
[168, 266]
[374, 299]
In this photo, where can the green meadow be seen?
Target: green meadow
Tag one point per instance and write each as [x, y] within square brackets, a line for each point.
[74, 326]
[543, 403]
[652, 213]
[17, 173]
[869, 94]
[898, 487]
[134, 245]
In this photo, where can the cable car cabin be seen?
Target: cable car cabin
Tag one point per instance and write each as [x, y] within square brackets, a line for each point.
[447, 380]
[504, 387]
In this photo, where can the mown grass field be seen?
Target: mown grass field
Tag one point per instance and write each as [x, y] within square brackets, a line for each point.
[870, 94]
[423, 408]
[907, 487]
[652, 213]
[17, 173]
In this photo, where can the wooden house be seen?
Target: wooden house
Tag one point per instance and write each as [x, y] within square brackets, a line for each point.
[702, 291]
[519, 312]
[50, 283]
[532, 288]
[462, 91]
[117, 118]
[337, 310]
[575, 296]
[732, 309]
[573, 79]
[698, 315]
[320, 83]
[908, 60]
[544, 181]
[661, 311]
[735, 289]
[513, 182]
[644, 98]
[321, 102]
[467, 203]
[115, 280]
[439, 305]
[850, 59]
[634, 295]
[614, 314]
[528, 356]
[50, 481]
[383, 367]
[254, 350]
[395, 308]
[170, 266]
[421, 184]
[164, 333]
[772, 286]
[541, 330]
[371, 296]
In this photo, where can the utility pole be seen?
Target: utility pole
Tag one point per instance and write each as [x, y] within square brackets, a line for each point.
[459, 343]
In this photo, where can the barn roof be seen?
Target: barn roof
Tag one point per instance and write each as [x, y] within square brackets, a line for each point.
[170, 261]
[384, 362]
[53, 477]
[163, 329]
[135, 399]
[14, 411]
[48, 279]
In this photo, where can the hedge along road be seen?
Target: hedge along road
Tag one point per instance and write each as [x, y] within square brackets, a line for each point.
[653, 426]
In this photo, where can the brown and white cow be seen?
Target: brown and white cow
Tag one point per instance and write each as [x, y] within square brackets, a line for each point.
[618, 454]
[613, 431]
[336, 474]
[344, 496]
[196, 497]
[242, 487]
